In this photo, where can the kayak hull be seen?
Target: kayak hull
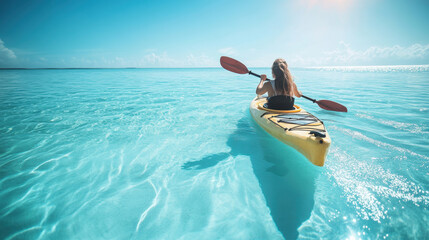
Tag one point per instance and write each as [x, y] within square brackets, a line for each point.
[296, 128]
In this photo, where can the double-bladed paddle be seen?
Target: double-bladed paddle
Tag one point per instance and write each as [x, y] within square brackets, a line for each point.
[235, 66]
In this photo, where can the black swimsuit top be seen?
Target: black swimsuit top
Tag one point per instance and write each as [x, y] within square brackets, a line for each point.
[280, 102]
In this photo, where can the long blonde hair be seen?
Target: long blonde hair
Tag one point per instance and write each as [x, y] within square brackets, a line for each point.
[283, 78]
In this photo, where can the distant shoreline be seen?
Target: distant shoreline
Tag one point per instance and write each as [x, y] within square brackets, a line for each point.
[82, 68]
[426, 66]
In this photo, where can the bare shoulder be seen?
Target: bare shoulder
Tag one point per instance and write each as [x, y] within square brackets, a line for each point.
[269, 88]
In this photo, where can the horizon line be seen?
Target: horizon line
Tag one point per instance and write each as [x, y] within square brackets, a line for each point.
[312, 67]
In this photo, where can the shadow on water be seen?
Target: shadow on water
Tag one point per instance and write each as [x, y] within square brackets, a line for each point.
[207, 161]
[286, 178]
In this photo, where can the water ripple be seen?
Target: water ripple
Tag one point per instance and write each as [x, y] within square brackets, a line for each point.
[360, 136]
[107, 154]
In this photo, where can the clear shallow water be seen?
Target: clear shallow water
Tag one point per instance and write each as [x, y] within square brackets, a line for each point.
[174, 154]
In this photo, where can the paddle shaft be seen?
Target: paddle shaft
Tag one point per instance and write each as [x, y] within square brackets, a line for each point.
[259, 76]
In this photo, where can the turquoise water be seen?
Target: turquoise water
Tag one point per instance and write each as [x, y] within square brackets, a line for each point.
[174, 154]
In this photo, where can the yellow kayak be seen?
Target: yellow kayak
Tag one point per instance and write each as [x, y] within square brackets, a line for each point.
[296, 128]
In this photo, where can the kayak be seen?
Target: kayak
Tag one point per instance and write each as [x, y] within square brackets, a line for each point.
[296, 128]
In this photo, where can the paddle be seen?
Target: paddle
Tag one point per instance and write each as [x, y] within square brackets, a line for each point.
[235, 66]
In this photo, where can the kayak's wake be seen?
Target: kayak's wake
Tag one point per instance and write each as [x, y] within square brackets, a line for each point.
[364, 184]
[360, 136]
[409, 127]
[366, 188]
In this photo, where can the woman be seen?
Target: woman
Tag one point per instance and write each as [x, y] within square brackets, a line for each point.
[281, 90]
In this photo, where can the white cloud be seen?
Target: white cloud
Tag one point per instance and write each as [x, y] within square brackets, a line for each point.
[157, 60]
[344, 54]
[229, 51]
[5, 53]
[120, 61]
[86, 62]
[200, 61]
[164, 60]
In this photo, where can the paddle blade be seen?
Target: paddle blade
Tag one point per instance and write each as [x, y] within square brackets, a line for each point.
[331, 106]
[233, 65]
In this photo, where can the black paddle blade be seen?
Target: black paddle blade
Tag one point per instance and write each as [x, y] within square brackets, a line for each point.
[331, 106]
[233, 65]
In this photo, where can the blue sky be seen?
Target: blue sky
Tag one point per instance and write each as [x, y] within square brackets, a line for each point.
[74, 33]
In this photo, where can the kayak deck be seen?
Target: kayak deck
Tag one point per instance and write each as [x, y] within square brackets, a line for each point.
[296, 128]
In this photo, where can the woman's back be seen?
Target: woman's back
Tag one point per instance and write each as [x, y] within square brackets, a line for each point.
[281, 90]
[279, 101]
